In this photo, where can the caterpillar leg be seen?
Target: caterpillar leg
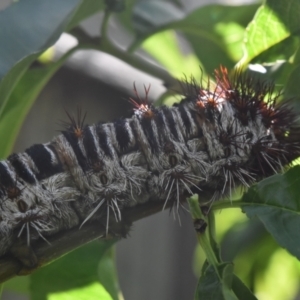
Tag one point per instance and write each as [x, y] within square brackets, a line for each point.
[24, 254]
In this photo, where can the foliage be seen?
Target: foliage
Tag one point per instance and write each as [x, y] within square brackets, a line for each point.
[266, 34]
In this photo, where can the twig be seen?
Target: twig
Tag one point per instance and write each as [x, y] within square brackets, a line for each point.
[67, 241]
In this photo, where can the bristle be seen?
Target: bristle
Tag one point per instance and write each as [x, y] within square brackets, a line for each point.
[76, 123]
[142, 106]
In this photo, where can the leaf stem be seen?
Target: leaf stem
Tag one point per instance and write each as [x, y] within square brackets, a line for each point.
[140, 63]
[201, 222]
[104, 44]
[204, 242]
[66, 241]
[134, 60]
[212, 234]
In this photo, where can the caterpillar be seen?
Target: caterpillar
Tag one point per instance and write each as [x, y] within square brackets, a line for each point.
[221, 135]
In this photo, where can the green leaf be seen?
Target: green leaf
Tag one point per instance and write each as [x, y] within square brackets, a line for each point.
[254, 260]
[107, 274]
[28, 27]
[216, 286]
[274, 22]
[125, 17]
[74, 276]
[19, 284]
[297, 56]
[275, 201]
[240, 237]
[45, 20]
[86, 9]
[169, 55]
[130, 16]
[31, 26]
[292, 87]
[15, 111]
[115, 5]
[90, 291]
[150, 15]
[281, 51]
[240, 290]
[281, 272]
[21, 100]
[214, 31]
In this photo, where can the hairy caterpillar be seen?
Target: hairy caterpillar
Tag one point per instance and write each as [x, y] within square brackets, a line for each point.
[218, 137]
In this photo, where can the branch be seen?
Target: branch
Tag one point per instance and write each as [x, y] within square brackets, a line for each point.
[134, 60]
[67, 241]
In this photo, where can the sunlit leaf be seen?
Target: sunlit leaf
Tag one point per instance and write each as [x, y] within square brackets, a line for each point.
[73, 274]
[169, 55]
[214, 31]
[93, 290]
[274, 22]
[225, 219]
[283, 272]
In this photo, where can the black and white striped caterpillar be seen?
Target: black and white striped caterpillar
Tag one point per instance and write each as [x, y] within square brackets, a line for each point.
[219, 136]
